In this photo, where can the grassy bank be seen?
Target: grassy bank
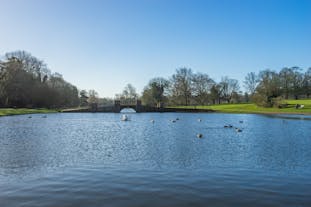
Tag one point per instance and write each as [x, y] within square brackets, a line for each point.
[11, 111]
[252, 108]
[75, 109]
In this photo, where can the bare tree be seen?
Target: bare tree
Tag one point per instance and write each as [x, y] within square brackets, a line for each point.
[228, 87]
[30, 64]
[268, 89]
[129, 92]
[181, 86]
[216, 93]
[251, 82]
[93, 97]
[297, 82]
[201, 87]
[307, 83]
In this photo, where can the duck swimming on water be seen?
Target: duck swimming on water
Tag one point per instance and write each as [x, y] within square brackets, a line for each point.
[228, 126]
[238, 130]
[199, 135]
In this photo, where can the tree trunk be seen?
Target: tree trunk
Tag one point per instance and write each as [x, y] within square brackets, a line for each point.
[286, 94]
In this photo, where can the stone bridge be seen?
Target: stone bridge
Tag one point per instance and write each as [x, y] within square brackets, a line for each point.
[122, 104]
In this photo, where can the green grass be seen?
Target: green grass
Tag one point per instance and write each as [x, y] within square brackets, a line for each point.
[303, 101]
[75, 109]
[252, 108]
[11, 111]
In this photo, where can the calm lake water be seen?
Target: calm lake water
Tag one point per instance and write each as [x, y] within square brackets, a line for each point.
[94, 159]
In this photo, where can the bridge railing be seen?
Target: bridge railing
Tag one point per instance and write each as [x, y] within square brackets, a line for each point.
[127, 102]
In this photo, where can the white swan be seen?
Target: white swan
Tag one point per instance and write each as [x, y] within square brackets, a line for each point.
[124, 117]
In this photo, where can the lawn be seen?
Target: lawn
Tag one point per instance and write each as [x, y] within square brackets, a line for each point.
[252, 108]
[11, 111]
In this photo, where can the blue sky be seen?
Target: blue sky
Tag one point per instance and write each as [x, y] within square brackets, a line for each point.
[104, 45]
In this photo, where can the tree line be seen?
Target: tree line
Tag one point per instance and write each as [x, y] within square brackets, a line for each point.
[26, 81]
[185, 87]
[266, 88]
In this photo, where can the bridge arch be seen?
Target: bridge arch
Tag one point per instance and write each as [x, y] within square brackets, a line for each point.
[128, 110]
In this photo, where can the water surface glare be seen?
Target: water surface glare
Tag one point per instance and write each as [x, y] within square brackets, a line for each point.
[95, 159]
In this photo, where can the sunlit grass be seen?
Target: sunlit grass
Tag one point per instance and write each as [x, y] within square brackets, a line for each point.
[11, 111]
[252, 108]
[303, 101]
[75, 109]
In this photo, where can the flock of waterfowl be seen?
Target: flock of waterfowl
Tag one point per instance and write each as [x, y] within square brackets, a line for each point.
[44, 116]
[199, 135]
[236, 128]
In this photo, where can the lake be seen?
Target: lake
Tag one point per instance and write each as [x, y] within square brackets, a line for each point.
[95, 159]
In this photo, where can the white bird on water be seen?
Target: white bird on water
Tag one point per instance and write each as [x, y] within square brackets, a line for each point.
[124, 117]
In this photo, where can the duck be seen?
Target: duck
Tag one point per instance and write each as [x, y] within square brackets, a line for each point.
[199, 120]
[152, 121]
[199, 135]
[238, 130]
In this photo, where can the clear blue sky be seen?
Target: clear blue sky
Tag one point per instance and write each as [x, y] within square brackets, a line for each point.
[104, 45]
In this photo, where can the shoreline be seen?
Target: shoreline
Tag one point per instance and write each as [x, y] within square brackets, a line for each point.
[250, 108]
[199, 111]
[265, 113]
[23, 111]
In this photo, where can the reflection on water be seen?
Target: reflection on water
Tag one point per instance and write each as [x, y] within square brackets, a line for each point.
[96, 158]
[289, 116]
